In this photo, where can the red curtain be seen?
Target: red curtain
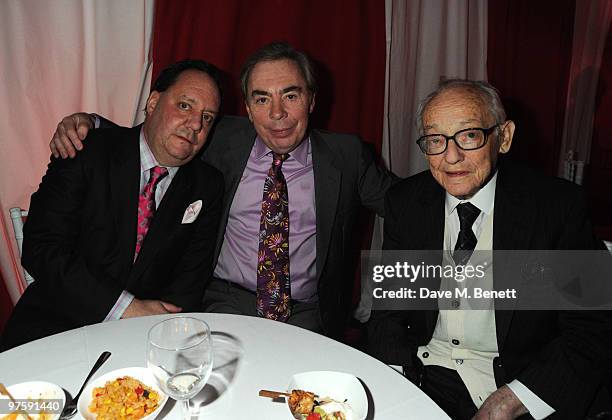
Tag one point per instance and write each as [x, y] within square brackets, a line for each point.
[346, 39]
[599, 172]
[528, 60]
[529, 57]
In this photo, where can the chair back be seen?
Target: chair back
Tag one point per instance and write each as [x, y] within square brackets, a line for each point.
[18, 216]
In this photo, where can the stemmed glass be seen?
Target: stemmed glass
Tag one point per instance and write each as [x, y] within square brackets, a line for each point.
[180, 356]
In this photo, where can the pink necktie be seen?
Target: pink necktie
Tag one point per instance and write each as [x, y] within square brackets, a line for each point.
[146, 205]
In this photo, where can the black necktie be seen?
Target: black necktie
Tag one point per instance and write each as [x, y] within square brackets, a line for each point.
[466, 241]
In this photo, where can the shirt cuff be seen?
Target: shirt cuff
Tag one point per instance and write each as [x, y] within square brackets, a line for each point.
[536, 406]
[120, 306]
[96, 118]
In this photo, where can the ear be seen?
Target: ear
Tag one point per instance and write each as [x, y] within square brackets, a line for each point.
[152, 102]
[248, 110]
[312, 103]
[506, 137]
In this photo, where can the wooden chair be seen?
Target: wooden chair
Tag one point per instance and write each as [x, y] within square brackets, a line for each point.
[18, 216]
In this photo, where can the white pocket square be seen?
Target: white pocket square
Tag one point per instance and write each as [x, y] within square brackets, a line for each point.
[192, 211]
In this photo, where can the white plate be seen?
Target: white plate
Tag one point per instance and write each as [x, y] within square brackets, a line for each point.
[336, 385]
[37, 390]
[140, 373]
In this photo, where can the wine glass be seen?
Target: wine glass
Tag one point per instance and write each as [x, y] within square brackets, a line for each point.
[180, 356]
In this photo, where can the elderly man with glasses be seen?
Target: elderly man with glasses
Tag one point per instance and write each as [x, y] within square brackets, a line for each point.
[493, 363]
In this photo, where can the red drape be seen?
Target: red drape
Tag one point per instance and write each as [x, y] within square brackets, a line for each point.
[346, 39]
[528, 59]
[599, 171]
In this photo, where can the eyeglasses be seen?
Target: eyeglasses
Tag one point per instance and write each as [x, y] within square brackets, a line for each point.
[466, 139]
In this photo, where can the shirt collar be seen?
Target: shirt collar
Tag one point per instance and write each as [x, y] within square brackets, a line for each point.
[147, 159]
[484, 199]
[300, 153]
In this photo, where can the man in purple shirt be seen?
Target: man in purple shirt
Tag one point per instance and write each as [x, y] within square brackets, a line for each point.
[328, 176]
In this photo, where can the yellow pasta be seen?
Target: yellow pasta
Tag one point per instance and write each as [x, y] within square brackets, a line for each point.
[122, 399]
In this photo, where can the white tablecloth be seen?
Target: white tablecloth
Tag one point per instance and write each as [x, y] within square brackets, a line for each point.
[250, 354]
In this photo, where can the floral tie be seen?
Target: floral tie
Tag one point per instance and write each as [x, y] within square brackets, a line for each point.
[146, 205]
[273, 287]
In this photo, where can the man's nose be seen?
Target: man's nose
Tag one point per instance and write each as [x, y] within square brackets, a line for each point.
[453, 153]
[277, 110]
[195, 122]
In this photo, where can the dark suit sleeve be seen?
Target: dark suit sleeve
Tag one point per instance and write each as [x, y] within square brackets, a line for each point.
[196, 265]
[389, 335]
[374, 180]
[50, 246]
[568, 370]
[104, 123]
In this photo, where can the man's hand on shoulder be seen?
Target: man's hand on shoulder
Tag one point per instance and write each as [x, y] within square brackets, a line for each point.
[69, 134]
[141, 307]
[501, 405]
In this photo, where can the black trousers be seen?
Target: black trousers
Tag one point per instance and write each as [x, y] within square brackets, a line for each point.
[225, 297]
[446, 388]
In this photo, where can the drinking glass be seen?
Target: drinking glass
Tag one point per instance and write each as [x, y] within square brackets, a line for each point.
[180, 356]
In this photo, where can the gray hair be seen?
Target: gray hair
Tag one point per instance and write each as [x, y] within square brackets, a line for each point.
[279, 51]
[485, 90]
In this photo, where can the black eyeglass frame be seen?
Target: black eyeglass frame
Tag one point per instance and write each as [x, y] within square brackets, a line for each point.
[485, 132]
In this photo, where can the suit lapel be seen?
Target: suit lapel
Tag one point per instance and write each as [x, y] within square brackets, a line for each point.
[431, 204]
[232, 163]
[327, 177]
[124, 186]
[513, 224]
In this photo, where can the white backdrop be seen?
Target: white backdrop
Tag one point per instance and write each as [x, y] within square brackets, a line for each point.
[59, 57]
[427, 40]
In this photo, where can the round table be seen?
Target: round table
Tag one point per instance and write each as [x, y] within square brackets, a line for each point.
[250, 354]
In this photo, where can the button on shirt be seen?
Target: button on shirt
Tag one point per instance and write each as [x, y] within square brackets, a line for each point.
[238, 256]
[147, 161]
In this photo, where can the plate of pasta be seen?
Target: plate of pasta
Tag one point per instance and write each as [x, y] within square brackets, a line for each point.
[129, 393]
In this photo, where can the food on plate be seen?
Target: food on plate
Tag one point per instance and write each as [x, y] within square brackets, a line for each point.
[307, 406]
[123, 398]
[301, 402]
[15, 416]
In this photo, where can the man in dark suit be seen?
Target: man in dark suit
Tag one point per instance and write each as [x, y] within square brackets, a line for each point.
[128, 227]
[327, 177]
[492, 363]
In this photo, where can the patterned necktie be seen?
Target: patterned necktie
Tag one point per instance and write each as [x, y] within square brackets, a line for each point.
[273, 288]
[466, 241]
[146, 205]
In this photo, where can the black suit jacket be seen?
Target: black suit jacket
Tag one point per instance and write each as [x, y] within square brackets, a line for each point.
[79, 238]
[346, 176]
[560, 356]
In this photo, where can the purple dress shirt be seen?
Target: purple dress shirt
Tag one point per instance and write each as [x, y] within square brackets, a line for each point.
[238, 257]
